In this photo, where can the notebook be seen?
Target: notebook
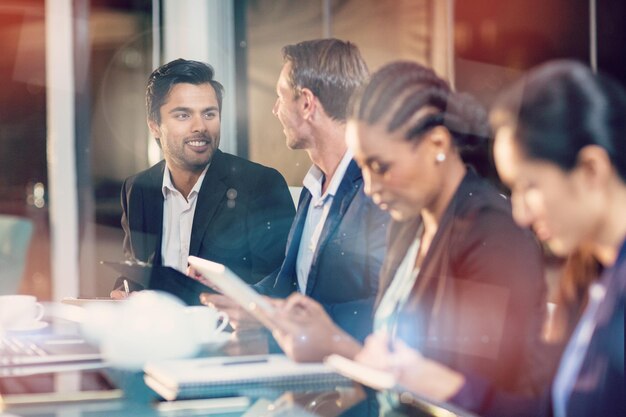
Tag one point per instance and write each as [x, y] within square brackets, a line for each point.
[19, 353]
[83, 301]
[254, 376]
[226, 281]
[363, 374]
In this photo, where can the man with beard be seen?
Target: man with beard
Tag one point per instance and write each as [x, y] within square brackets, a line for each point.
[198, 200]
[337, 240]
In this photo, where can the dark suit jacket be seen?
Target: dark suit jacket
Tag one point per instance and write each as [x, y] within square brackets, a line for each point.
[345, 267]
[478, 301]
[599, 387]
[242, 216]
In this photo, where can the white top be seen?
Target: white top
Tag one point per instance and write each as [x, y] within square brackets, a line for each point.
[385, 316]
[178, 215]
[574, 354]
[398, 292]
[316, 216]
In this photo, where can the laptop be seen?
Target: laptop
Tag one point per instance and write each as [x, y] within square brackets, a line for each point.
[21, 352]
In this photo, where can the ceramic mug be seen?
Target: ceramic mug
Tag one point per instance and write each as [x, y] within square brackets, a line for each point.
[17, 311]
[206, 322]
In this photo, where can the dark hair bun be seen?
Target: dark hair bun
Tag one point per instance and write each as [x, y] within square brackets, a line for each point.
[469, 121]
[402, 88]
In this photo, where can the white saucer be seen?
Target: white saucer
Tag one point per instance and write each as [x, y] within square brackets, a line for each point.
[29, 327]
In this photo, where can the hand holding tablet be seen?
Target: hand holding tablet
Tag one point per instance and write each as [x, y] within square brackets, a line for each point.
[299, 324]
[221, 278]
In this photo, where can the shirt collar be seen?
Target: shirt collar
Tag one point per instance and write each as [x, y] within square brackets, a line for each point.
[168, 185]
[314, 178]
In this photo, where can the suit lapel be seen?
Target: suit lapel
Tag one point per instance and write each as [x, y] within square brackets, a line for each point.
[211, 194]
[403, 234]
[295, 235]
[434, 273]
[345, 193]
[152, 199]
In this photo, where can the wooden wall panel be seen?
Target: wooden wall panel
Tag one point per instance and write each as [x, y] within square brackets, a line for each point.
[384, 30]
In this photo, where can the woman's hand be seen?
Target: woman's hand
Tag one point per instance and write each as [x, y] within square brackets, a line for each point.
[412, 371]
[376, 354]
[306, 333]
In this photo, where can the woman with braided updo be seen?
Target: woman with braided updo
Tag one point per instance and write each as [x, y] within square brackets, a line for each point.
[461, 282]
[561, 147]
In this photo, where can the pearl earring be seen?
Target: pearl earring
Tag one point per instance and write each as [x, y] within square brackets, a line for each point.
[440, 157]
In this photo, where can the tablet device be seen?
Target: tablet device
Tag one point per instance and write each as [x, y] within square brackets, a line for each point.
[226, 281]
[142, 276]
[139, 272]
[363, 374]
[383, 380]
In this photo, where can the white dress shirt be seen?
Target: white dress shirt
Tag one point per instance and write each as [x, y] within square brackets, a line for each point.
[178, 213]
[316, 216]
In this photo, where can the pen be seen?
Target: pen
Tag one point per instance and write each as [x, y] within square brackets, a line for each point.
[246, 362]
[126, 289]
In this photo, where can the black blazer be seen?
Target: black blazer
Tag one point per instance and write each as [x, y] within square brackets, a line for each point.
[478, 302]
[345, 267]
[242, 216]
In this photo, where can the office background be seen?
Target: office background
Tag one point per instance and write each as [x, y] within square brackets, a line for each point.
[72, 114]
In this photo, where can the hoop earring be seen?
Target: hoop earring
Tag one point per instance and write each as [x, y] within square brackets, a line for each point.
[440, 157]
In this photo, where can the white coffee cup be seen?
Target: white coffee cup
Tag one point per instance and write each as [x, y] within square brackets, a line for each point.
[17, 311]
[206, 322]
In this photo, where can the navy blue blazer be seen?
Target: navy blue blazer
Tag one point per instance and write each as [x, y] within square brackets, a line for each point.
[345, 267]
[242, 216]
[600, 386]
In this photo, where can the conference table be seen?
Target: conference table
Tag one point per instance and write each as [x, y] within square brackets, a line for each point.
[94, 389]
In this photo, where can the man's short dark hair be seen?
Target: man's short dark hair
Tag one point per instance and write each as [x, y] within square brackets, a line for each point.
[332, 69]
[175, 72]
